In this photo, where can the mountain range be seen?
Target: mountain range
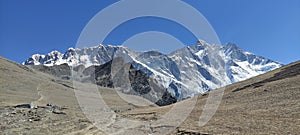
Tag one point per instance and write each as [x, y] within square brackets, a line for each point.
[40, 98]
[182, 73]
[265, 104]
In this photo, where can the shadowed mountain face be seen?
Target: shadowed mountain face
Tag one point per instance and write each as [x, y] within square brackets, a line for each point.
[265, 104]
[141, 84]
[62, 71]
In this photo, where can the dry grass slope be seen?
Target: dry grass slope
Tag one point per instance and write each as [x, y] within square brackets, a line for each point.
[267, 104]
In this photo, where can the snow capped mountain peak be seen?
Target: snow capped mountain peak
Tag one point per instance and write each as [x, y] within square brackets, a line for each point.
[231, 47]
[34, 60]
[71, 49]
[183, 73]
[234, 52]
[201, 42]
[152, 53]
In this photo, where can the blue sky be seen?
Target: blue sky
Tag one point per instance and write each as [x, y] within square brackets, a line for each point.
[269, 28]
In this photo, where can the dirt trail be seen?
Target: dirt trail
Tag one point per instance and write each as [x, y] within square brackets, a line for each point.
[41, 100]
[91, 129]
